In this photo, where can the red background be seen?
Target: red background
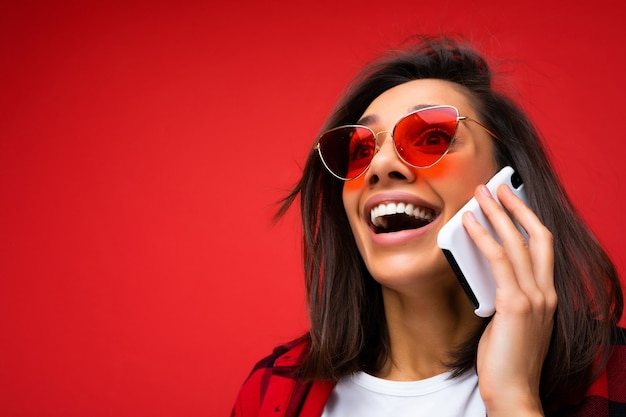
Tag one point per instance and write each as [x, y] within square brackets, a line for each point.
[142, 147]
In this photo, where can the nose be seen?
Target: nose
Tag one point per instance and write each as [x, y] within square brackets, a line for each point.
[386, 165]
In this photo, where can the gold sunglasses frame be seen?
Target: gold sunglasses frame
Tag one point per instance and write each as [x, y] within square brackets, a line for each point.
[459, 118]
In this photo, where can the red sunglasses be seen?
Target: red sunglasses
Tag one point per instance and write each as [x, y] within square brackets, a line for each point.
[420, 138]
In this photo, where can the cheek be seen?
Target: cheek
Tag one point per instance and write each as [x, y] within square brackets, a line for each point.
[353, 185]
[474, 162]
[456, 179]
[350, 195]
[440, 170]
[464, 170]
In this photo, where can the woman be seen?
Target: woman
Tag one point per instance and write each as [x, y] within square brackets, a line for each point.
[392, 331]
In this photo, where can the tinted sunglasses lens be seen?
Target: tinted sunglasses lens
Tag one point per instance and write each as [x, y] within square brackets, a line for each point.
[422, 137]
[347, 151]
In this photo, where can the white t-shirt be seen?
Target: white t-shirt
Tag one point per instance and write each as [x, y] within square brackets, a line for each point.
[364, 395]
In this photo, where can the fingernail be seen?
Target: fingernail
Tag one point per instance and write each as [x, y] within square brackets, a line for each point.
[470, 216]
[485, 190]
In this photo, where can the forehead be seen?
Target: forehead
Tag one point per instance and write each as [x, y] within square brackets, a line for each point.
[404, 98]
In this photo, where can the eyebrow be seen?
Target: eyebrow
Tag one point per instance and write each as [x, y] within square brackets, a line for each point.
[372, 119]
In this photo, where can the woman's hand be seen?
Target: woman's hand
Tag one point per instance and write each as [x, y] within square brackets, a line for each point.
[514, 345]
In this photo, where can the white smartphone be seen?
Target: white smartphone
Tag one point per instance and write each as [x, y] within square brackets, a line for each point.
[469, 265]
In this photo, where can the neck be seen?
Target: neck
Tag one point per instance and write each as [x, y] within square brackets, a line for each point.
[424, 328]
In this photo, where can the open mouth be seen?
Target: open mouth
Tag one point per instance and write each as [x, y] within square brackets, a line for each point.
[394, 217]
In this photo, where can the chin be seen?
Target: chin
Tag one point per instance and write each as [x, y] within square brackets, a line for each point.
[404, 270]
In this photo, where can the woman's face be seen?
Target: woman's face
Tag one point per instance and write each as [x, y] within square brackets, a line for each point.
[410, 257]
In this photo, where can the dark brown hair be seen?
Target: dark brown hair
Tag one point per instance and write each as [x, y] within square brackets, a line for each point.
[348, 331]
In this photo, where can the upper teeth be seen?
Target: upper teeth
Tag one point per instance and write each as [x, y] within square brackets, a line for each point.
[386, 209]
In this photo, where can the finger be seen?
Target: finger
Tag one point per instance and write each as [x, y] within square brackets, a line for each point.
[540, 239]
[513, 242]
[495, 254]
